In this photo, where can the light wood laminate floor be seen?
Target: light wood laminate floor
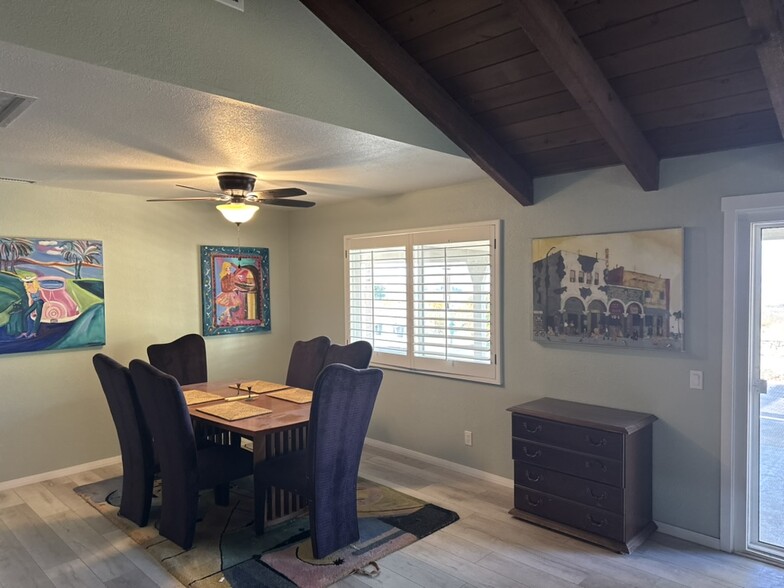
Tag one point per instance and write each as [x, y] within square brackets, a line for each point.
[51, 537]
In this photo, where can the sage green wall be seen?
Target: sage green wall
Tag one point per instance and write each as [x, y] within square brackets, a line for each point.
[275, 54]
[53, 414]
[429, 414]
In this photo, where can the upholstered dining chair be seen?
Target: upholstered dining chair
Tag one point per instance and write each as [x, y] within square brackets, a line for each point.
[325, 473]
[306, 361]
[136, 447]
[184, 469]
[184, 358]
[356, 354]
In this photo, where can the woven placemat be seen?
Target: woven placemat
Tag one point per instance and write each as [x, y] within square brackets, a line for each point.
[298, 395]
[234, 411]
[260, 386]
[199, 396]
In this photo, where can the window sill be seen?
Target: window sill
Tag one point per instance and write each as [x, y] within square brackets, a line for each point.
[490, 381]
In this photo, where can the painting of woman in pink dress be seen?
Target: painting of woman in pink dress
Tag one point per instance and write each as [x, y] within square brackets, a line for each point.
[236, 299]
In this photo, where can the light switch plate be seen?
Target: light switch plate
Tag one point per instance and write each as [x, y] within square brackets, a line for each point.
[695, 380]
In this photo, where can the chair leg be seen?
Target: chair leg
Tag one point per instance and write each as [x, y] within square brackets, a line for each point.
[222, 494]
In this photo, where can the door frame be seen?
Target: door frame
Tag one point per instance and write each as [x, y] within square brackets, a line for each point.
[739, 214]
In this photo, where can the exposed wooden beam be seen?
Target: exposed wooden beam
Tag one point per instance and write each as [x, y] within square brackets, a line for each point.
[373, 44]
[765, 20]
[554, 37]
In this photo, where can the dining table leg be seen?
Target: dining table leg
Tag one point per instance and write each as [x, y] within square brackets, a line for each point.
[259, 455]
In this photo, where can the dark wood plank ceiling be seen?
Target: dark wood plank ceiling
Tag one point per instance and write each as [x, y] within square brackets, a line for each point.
[685, 72]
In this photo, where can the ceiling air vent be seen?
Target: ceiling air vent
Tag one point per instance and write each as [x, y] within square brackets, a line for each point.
[18, 180]
[238, 4]
[11, 106]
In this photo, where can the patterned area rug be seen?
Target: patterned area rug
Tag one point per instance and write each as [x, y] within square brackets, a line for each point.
[227, 552]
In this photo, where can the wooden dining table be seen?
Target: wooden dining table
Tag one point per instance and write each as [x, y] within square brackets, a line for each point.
[275, 433]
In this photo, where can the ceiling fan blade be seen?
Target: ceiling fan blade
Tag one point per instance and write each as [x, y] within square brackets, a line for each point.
[278, 192]
[290, 203]
[193, 199]
[199, 190]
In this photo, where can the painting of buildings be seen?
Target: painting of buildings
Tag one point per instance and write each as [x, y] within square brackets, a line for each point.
[51, 294]
[615, 289]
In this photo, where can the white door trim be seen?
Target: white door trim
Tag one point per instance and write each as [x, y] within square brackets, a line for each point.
[739, 213]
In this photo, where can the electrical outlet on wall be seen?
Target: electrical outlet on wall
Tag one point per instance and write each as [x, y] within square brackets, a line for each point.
[468, 438]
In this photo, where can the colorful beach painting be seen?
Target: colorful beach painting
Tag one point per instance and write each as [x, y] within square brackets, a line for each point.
[51, 294]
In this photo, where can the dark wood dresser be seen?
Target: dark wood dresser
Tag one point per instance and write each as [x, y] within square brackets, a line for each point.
[584, 470]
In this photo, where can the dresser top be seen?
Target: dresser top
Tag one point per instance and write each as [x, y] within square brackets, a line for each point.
[586, 415]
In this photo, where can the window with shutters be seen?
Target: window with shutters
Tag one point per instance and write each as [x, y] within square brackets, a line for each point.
[427, 299]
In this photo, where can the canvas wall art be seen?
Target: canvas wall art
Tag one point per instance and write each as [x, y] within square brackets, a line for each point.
[51, 294]
[613, 289]
[235, 289]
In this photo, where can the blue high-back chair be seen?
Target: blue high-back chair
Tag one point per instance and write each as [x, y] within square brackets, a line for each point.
[307, 359]
[325, 473]
[356, 354]
[136, 448]
[185, 469]
[184, 358]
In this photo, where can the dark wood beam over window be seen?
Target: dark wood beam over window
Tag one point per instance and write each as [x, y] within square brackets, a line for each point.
[551, 33]
[373, 44]
[766, 20]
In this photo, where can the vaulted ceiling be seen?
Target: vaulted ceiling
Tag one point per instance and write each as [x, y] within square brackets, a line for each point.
[537, 87]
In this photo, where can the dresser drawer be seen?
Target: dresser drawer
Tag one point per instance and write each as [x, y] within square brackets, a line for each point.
[582, 439]
[576, 515]
[608, 471]
[569, 487]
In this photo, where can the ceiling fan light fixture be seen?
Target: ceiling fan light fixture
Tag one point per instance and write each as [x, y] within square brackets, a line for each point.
[237, 212]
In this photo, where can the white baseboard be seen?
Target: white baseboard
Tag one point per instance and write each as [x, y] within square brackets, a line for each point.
[686, 535]
[450, 465]
[77, 469]
[672, 530]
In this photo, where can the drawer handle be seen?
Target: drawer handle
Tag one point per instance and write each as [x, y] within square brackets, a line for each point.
[590, 463]
[596, 523]
[601, 496]
[600, 443]
[527, 453]
[533, 477]
[529, 429]
[537, 502]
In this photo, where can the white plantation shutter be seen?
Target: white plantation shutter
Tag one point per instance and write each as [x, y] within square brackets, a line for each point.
[452, 301]
[427, 300]
[378, 299]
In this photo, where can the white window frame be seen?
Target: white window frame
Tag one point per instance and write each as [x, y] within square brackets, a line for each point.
[484, 373]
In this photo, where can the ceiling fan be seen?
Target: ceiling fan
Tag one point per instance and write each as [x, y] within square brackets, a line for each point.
[238, 198]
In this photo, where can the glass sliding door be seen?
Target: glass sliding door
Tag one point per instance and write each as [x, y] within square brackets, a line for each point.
[766, 391]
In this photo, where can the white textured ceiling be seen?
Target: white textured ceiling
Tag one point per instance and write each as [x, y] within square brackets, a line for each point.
[92, 128]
